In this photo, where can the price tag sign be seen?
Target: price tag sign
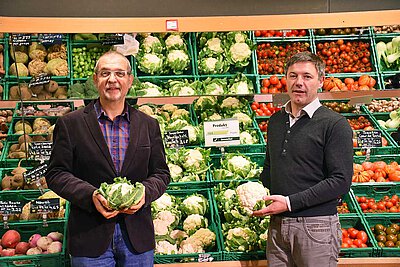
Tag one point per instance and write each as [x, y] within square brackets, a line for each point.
[8, 207]
[50, 38]
[35, 174]
[43, 78]
[360, 100]
[369, 139]
[20, 39]
[171, 25]
[280, 99]
[175, 139]
[112, 39]
[222, 132]
[45, 205]
[205, 257]
[40, 150]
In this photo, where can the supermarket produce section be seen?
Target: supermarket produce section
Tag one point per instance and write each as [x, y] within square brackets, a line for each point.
[185, 80]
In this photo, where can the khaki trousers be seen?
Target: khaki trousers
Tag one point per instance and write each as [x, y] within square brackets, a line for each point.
[304, 241]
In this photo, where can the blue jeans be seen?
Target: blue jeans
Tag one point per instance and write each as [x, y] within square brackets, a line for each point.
[120, 253]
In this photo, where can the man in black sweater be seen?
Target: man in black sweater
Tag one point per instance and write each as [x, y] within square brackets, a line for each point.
[308, 165]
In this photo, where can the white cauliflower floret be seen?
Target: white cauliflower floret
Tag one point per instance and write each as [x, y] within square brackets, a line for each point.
[214, 44]
[193, 158]
[169, 108]
[214, 117]
[239, 162]
[178, 235]
[163, 247]
[186, 91]
[205, 99]
[177, 123]
[210, 63]
[240, 37]
[175, 171]
[163, 202]
[179, 113]
[249, 193]
[229, 193]
[150, 40]
[240, 88]
[192, 132]
[206, 236]
[151, 59]
[243, 118]
[194, 222]
[240, 52]
[230, 102]
[177, 54]
[160, 227]
[246, 138]
[191, 245]
[146, 109]
[167, 216]
[174, 39]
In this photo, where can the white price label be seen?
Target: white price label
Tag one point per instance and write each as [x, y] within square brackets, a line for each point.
[172, 25]
[222, 132]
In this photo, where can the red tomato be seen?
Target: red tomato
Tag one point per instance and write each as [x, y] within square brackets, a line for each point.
[348, 241]
[257, 33]
[265, 83]
[361, 235]
[274, 79]
[357, 242]
[264, 90]
[352, 232]
[254, 106]
[344, 233]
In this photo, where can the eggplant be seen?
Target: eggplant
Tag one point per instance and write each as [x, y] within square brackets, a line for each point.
[393, 82]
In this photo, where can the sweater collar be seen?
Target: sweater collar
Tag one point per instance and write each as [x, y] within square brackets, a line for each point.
[309, 109]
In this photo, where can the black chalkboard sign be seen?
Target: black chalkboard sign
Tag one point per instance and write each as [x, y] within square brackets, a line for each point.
[369, 139]
[45, 205]
[50, 38]
[20, 39]
[112, 39]
[35, 174]
[176, 138]
[8, 207]
[43, 78]
[40, 150]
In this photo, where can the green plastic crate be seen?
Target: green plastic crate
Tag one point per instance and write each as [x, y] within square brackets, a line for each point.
[352, 205]
[216, 252]
[12, 136]
[192, 71]
[9, 162]
[307, 37]
[382, 68]
[42, 105]
[358, 223]
[360, 32]
[311, 48]
[350, 38]
[385, 220]
[61, 82]
[219, 217]
[386, 158]
[388, 75]
[250, 69]
[376, 191]
[25, 196]
[9, 61]
[44, 260]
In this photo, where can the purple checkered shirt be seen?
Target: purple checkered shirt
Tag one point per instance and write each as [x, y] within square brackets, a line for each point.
[116, 134]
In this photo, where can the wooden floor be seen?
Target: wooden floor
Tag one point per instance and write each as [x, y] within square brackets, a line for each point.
[352, 262]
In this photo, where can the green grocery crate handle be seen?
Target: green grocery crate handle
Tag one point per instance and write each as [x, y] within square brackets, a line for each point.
[382, 189]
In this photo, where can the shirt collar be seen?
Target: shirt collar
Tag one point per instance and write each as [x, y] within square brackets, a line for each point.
[102, 114]
[308, 109]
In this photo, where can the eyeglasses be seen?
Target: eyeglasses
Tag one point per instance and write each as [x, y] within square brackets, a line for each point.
[117, 73]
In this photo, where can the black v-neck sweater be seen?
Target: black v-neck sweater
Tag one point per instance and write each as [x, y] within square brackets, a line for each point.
[311, 162]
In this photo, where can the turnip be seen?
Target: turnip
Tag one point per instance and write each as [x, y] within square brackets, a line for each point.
[55, 247]
[7, 252]
[56, 236]
[44, 242]
[34, 251]
[33, 240]
[22, 247]
[10, 239]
